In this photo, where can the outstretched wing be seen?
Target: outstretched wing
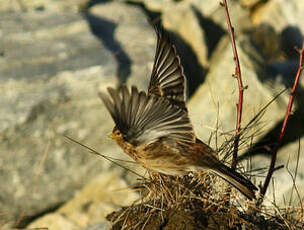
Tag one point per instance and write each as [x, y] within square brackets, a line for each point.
[144, 119]
[167, 78]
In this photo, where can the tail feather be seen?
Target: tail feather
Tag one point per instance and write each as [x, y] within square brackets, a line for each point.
[237, 180]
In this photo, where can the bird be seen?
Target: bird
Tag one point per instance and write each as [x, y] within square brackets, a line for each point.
[154, 128]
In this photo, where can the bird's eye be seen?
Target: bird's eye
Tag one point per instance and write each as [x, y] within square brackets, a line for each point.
[118, 133]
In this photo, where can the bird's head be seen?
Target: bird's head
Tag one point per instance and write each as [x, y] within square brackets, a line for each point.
[116, 135]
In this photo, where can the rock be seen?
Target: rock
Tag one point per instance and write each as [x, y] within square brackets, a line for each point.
[283, 19]
[239, 15]
[284, 191]
[200, 25]
[51, 72]
[250, 3]
[101, 196]
[267, 41]
[181, 19]
[53, 222]
[284, 34]
[21, 5]
[184, 24]
[291, 37]
[161, 6]
[98, 226]
[215, 101]
[187, 38]
[280, 14]
[291, 156]
[134, 35]
[104, 194]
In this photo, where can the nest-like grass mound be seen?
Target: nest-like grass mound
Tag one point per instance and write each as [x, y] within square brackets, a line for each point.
[197, 201]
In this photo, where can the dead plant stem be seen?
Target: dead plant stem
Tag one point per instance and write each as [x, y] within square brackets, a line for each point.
[283, 129]
[238, 76]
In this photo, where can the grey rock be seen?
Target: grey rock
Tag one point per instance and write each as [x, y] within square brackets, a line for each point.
[267, 41]
[87, 210]
[286, 188]
[215, 101]
[98, 226]
[135, 35]
[50, 77]
[18, 6]
[250, 3]
[239, 15]
[291, 156]
[200, 25]
[212, 10]
[280, 14]
[54, 221]
[182, 19]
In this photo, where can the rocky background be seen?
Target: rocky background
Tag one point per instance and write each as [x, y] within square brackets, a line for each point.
[56, 55]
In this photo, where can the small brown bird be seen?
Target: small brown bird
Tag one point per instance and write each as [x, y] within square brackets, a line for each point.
[154, 128]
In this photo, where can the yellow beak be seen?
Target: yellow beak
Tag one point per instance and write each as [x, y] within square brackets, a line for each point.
[112, 136]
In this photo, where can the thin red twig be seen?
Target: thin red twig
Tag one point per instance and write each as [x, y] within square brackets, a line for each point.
[283, 129]
[238, 75]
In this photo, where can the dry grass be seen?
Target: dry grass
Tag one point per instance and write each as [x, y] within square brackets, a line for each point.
[199, 201]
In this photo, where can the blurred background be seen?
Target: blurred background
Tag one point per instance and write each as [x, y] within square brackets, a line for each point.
[55, 56]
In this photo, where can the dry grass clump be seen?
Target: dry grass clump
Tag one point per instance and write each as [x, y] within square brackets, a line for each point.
[197, 201]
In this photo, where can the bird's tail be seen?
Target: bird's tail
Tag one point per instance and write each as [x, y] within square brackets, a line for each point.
[237, 180]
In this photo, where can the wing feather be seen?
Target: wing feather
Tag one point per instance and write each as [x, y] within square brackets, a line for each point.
[146, 118]
[167, 78]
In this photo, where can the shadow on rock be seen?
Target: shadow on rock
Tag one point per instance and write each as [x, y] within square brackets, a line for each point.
[289, 38]
[90, 3]
[195, 73]
[213, 31]
[104, 31]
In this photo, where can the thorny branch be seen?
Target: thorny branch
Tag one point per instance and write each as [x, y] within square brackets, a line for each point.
[238, 76]
[283, 129]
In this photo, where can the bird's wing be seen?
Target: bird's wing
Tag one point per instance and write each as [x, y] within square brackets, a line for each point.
[143, 119]
[167, 78]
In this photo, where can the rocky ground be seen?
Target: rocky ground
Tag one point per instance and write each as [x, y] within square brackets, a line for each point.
[55, 56]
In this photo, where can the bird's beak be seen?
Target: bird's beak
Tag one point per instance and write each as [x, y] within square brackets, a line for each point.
[111, 135]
